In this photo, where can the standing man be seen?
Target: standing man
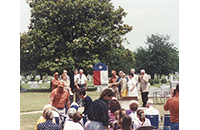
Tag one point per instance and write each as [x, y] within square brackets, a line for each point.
[144, 87]
[80, 81]
[98, 111]
[55, 80]
[172, 105]
[72, 85]
[59, 97]
[113, 79]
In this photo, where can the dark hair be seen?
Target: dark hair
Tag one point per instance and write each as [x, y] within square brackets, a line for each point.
[107, 91]
[133, 106]
[131, 74]
[140, 113]
[76, 117]
[114, 105]
[177, 87]
[122, 112]
[126, 122]
[81, 91]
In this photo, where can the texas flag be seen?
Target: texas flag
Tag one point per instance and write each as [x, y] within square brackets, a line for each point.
[100, 74]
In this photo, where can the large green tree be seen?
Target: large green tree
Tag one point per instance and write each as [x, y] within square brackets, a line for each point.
[161, 57]
[69, 34]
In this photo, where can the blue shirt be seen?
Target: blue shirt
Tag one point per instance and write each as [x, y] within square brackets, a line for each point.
[48, 125]
[87, 101]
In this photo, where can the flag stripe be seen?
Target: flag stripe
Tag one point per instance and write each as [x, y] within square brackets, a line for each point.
[96, 78]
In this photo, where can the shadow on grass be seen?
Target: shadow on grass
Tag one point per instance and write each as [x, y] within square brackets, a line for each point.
[49, 90]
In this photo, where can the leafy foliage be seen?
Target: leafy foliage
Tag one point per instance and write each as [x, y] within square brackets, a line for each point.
[161, 57]
[156, 81]
[69, 34]
[163, 81]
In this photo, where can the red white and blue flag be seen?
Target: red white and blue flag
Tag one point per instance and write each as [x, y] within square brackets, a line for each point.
[100, 74]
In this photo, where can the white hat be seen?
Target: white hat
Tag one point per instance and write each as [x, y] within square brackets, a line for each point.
[133, 101]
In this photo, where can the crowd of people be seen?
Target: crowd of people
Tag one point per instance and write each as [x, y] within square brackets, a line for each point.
[105, 112]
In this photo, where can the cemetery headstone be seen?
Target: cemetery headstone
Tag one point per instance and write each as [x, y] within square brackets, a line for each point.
[40, 82]
[45, 80]
[23, 82]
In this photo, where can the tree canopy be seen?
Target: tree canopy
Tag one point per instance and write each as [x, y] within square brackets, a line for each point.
[161, 57]
[69, 34]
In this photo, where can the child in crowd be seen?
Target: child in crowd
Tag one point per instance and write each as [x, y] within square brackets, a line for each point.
[141, 120]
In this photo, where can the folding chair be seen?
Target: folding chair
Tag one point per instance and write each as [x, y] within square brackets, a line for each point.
[152, 92]
[146, 128]
[163, 93]
[166, 122]
[154, 120]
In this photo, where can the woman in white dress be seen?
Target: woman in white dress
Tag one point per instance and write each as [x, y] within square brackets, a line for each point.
[132, 90]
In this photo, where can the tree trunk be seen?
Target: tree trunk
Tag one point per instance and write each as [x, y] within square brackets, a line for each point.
[152, 76]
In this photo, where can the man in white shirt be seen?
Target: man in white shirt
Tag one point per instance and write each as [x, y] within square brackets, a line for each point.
[144, 86]
[80, 80]
[151, 110]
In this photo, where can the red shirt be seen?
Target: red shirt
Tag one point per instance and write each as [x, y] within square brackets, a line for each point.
[172, 105]
[113, 80]
[59, 99]
[54, 83]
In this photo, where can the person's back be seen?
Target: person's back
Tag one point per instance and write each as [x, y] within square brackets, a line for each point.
[48, 125]
[172, 105]
[98, 111]
[74, 124]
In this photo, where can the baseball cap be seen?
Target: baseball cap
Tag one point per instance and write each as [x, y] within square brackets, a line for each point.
[56, 73]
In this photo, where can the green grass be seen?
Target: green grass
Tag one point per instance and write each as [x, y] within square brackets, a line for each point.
[33, 101]
[158, 85]
[28, 121]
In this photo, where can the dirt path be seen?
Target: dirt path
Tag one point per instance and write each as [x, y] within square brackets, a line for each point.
[31, 112]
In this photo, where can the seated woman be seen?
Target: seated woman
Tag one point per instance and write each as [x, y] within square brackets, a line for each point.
[75, 124]
[141, 120]
[42, 118]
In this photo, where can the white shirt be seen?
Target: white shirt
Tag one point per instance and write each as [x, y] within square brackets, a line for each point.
[131, 83]
[133, 116]
[80, 79]
[152, 111]
[70, 125]
[138, 123]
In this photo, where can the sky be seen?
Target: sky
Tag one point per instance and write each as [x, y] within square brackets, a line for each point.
[146, 16]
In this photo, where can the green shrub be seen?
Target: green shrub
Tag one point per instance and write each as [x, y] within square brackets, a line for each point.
[156, 81]
[151, 81]
[37, 79]
[163, 81]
